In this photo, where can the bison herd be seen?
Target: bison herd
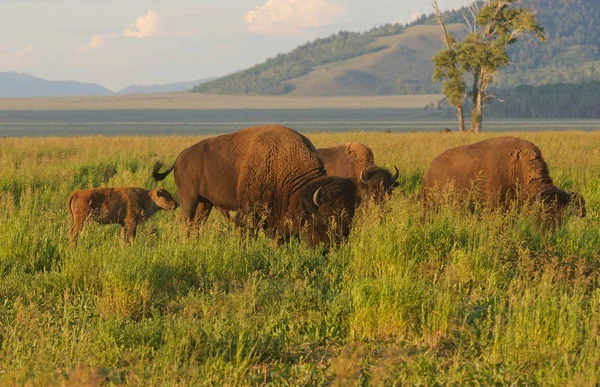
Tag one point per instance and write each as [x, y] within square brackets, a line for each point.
[275, 180]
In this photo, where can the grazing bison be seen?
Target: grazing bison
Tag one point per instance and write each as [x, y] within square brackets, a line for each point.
[125, 206]
[272, 176]
[355, 161]
[498, 171]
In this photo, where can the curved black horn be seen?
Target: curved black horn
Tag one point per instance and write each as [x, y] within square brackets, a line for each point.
[362, 176]
[395, 177]
[316, 197]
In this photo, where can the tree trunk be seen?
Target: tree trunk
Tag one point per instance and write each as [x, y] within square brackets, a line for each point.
[477, 112]
[476, 117]
[461, 118]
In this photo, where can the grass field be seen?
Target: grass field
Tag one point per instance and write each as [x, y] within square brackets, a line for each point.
[188, 100]
[459, 300]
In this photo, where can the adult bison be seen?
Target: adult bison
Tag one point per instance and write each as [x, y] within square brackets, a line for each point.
[270, 175]
[355, 161]
[497, 171]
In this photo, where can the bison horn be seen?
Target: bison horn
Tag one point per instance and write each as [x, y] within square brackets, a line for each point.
[395, 177]
[316, 196]
[362, 176]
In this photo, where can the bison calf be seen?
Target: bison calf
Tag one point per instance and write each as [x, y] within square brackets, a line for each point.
[125, 206]
[498, 171]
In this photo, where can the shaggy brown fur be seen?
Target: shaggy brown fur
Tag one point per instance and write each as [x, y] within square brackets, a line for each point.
[127, 206]
[498, 171]
[268, 172]
[349, 160]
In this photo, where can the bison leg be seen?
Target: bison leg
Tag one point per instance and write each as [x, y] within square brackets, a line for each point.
[128, 232]
[224, 212]
[188, 208]
[123, 235]
[200, 215]
[202, 212]
[251, 222]
[75, 230]
[131, 233]
[195, 213]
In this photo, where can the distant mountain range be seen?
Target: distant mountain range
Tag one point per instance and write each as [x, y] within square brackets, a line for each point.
[14, 84]
[24, 85]
[163, 88]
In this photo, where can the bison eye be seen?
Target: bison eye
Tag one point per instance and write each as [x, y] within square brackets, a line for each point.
[160, 193]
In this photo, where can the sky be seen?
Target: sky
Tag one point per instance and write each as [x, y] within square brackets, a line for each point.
[116, 43]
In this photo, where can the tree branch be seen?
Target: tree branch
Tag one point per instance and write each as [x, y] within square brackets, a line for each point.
[436, 9]
[491, 96]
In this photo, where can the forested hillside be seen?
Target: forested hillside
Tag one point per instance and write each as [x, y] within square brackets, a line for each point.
[269, 77]
[392, 59]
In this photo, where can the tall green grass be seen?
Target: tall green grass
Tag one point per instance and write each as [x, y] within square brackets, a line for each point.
[460, 299]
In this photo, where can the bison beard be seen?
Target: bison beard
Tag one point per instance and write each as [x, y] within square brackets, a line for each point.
[498, 172]
[272, 176]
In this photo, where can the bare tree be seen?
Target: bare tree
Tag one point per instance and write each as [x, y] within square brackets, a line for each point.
[448, 69]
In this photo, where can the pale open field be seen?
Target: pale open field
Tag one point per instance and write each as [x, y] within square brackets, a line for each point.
[187, 100]
[463, 299]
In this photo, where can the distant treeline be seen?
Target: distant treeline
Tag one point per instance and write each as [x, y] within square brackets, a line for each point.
[562, 100]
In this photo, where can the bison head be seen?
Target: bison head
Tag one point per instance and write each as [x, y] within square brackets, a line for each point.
[377, 183]
[578, 203]
[163, 199]
[558, 200]
[328, 204]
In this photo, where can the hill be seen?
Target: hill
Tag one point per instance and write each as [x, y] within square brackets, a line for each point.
[14, 84]
[162, 88]
[394, 59]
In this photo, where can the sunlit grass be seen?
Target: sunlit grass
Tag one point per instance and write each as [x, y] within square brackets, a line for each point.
[458, 299]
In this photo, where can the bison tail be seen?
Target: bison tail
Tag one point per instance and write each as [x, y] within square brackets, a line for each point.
[158, 176]
[69, 209]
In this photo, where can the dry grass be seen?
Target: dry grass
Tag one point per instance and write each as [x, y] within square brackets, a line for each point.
[187, 100]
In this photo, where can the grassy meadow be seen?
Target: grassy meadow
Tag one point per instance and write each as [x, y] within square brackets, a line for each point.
[462, 299]
[192, 101]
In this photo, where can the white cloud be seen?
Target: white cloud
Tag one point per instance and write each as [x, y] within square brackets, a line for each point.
[292, 16]
[144, 26]
[22, 52]
[96, 42]
[414, 16]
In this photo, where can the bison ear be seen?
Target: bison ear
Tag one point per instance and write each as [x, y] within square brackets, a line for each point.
[160, 193]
